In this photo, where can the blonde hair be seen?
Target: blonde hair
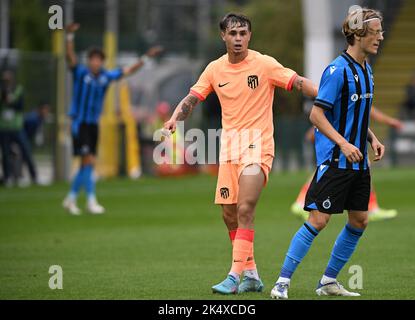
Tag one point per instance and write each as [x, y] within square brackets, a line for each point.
[357, 22]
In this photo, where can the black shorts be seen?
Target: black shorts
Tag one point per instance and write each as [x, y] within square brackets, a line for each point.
[334, 190]
[85, 142]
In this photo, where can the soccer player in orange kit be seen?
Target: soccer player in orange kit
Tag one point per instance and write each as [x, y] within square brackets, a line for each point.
[244, 81]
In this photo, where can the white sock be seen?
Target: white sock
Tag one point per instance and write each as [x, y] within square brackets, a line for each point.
[252, 274]
[285, 280]
[325, 280]
[92, 198]
[72, 196]
[235, 275]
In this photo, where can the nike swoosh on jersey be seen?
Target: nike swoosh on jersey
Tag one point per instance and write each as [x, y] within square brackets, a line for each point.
[222, 85]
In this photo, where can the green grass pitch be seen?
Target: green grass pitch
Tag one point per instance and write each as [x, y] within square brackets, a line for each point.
[165, 239]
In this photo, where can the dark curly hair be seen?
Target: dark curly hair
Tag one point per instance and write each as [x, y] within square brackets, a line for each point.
[234, 19]
[96, 52]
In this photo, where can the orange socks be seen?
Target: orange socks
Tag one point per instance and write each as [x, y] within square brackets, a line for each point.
[250, 263]
[242, 249]
[232, 235]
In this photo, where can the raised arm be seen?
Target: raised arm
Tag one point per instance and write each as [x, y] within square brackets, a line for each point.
[381, 117]
[182, 112]
[70, 45]
[306, 86]
[152, 52]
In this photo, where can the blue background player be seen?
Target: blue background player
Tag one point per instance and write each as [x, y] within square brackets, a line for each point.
[91, 82]
[342, 179]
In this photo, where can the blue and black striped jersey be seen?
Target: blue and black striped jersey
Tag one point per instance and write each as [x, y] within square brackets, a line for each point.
[346, 95]
[89, 92]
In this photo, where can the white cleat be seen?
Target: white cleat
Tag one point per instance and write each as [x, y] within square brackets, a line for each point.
[94, 207]
[298, 211]
[71, 207]
[382, 214]
[280, 290]
[334, 289]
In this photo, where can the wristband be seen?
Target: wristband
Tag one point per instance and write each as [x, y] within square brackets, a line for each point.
[70, 36]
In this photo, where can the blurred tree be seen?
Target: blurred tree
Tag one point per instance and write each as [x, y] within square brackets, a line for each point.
[30, 34]
[29, 25]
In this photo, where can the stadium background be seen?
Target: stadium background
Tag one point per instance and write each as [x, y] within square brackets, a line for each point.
[153, 229]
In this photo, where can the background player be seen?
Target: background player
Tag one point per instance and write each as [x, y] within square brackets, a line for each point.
[244, 81]
[90, 84]
[342, 179]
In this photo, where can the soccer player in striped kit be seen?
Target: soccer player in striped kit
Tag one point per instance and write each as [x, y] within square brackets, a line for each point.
[90, 83]
[340, 114]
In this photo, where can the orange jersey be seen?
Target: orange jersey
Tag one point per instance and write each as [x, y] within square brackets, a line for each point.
[246, 92]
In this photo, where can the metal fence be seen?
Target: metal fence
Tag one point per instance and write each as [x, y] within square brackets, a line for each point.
[36, 72]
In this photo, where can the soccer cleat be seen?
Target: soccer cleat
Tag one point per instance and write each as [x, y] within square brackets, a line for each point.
[297, 210]
[8, 183]
[21, 183]
[94, 207]
[334, 289]
[71, 207]
[280, 290]
[227, 286]
[382, 214]
[250, 285]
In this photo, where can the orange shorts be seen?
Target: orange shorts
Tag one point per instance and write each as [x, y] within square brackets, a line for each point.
[227, 187]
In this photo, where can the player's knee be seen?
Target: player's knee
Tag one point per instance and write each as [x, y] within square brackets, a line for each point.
[229, 215]
[246, 212]
[318, 220]
[318, 224]
[359, 223]
[364, 224]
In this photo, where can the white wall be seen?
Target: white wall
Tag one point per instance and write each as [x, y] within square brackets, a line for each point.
[323, 41]
[318, 41]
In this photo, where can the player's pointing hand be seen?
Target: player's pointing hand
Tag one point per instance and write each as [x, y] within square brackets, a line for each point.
[169, 126]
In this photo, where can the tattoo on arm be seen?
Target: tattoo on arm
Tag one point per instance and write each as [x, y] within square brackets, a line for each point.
[307, 87]
[187, 107]
[299, 83]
